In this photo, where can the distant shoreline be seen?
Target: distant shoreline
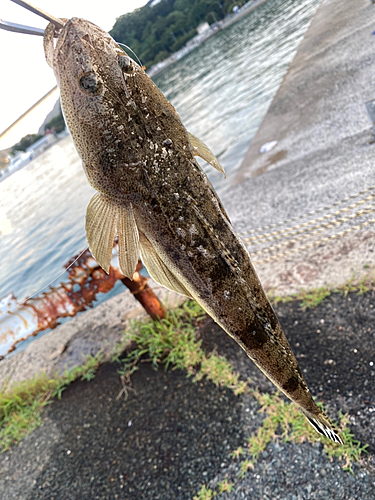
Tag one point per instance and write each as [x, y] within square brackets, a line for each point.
[4, 132]
[199, 39]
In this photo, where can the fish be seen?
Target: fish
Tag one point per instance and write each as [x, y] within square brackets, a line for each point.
[152, 194]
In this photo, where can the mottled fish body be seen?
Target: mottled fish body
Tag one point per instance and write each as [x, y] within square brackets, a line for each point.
[153, 195]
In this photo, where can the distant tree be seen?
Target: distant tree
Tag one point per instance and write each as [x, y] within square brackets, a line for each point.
[182, 40]
[153, 33]
[25, 142]
[57, 123]
[182, 5]
[161, 56]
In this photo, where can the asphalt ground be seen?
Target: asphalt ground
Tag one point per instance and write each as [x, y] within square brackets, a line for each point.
[170, 435]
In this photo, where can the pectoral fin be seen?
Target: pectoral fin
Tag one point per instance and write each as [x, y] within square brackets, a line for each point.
[101, 229]
[200, 149]
[105, 219]
[157, 269]
[128, 241]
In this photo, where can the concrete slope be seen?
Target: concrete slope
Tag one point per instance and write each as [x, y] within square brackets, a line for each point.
[321, 101]
[306, 208]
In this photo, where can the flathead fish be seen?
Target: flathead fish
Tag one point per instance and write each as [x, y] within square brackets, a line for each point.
[153, 195]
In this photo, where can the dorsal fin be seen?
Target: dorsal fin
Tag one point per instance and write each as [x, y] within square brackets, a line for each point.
[200, 149]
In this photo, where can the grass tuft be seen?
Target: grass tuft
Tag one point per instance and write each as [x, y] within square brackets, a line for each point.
[315, 296]
[204, 494]
[307, 298]
[286, 422]
[224, 486]
[21, 405]
[360, 287]
[172, 342]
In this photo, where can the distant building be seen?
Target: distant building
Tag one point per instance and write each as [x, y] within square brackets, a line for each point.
[41, 145]
[52, 114]
[153, 3]
[4, 160]
[202, 28]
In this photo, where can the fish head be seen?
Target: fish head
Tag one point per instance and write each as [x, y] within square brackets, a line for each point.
[98, 92]
[87, 64]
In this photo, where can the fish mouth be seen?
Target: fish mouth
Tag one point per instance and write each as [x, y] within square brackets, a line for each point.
[49, 43]
[77, 32]
[81, 47]
[63, 40]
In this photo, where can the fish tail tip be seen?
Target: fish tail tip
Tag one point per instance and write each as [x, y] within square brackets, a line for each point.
[324, 426]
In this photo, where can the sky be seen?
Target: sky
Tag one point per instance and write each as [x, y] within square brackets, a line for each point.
[25, 75]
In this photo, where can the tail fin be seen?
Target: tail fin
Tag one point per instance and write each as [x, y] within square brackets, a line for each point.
[323, 426]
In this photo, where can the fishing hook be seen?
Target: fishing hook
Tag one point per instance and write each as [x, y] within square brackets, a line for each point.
[29, 30]
[20, 28]
[39, 12]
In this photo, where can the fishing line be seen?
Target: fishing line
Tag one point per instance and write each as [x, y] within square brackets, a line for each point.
[45, 286]
[132, 51]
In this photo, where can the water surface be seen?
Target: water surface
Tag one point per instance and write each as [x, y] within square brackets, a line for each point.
[222, 91]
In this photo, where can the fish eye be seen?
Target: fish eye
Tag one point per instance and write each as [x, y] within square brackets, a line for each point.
[125, 63]
[90, 84]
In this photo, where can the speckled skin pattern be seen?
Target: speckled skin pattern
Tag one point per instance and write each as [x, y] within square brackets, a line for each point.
[135, 150]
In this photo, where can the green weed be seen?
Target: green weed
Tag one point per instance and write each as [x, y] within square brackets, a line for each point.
[207, 494]
[224, 486]
[314, 297]
[286, 422]
[238, 452]
[172, 342]
[21, 405]
[307, 298]
[360, 287]
[280, 299]
[204, 494]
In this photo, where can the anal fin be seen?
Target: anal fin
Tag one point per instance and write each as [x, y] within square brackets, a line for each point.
[158, 270]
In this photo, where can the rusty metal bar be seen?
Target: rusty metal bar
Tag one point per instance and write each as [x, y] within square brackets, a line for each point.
[86, 280]
[144, 294]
